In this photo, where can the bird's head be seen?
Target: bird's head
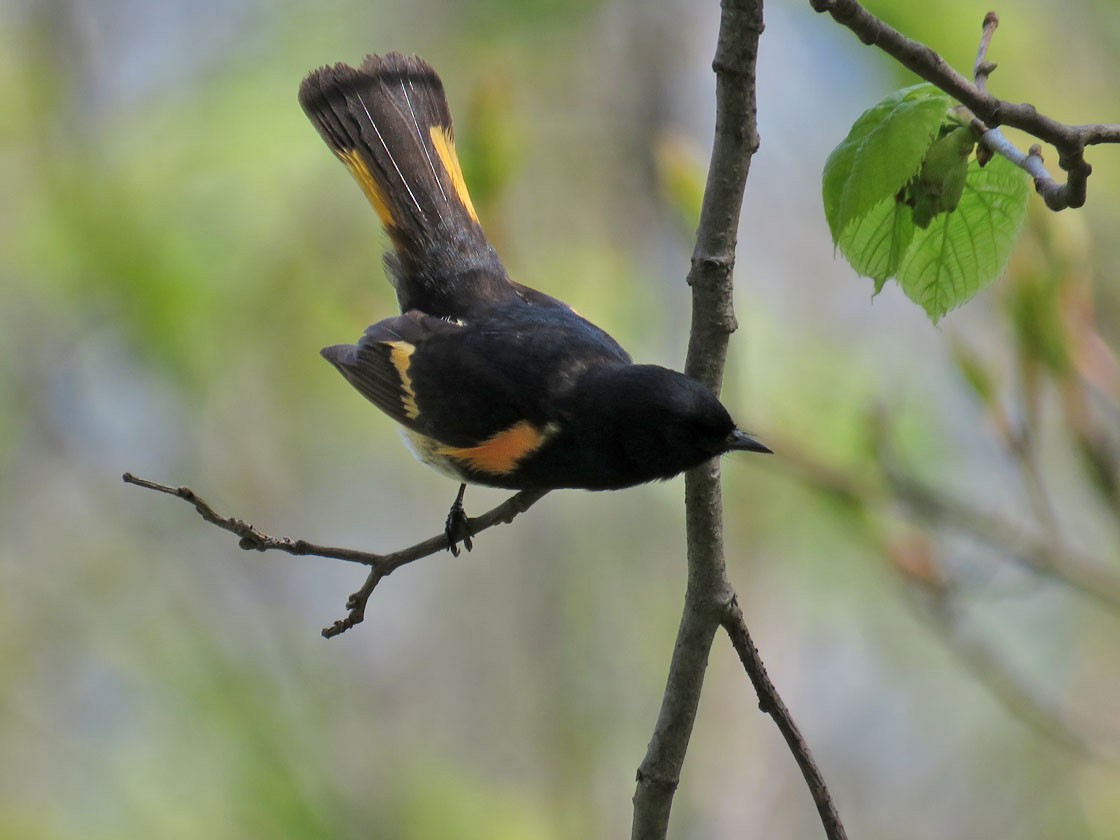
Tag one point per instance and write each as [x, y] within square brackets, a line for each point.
[653, 423]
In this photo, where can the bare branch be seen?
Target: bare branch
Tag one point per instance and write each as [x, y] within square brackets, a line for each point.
[381, 565]
[983, 68]
[713, 320]
[1011, 688]
[935, 594]
[770, 702]
[992, 112]
[709, 598]
[1048, 558]
[1052, 558]
[992, 140]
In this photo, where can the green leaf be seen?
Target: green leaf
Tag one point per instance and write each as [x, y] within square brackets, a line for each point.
[940, 182]
[875, 243]
[881, 153]
[963, 251]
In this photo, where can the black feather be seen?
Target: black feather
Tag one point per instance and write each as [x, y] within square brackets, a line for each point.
[382, 117]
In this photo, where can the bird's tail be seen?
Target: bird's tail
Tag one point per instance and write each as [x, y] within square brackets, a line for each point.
[389, 123]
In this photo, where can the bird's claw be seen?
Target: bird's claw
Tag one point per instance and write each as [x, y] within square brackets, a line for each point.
[458, 529]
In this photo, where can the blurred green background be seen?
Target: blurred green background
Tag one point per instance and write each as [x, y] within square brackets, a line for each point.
[176, 244]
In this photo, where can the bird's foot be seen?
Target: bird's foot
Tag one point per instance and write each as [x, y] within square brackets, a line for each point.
[457, 528]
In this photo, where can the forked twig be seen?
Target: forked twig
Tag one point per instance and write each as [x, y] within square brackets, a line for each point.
[380, 565]
[990, 111]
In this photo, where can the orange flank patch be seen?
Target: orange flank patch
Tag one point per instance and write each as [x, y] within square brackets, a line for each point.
[445, 148]
[501, 453]
[365, 180]
[401, 356]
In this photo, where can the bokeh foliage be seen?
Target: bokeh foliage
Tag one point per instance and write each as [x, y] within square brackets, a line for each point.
[175, 247]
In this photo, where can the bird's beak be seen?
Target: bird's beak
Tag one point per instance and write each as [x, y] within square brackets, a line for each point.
[739, 439]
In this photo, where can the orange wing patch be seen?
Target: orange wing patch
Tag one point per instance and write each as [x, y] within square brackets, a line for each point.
[365, 180]
[400, 355]
[501, 453]
[445, 148]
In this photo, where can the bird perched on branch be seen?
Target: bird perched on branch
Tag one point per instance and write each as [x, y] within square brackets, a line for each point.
[494, 383]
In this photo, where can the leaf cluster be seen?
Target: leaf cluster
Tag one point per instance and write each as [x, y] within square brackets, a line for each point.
[905, 198]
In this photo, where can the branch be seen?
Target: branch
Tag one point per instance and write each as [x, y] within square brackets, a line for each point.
[771, 703]
[1048, 558]
[982, 68]
[713, 320]
[992, 140]
[935, 594]
[710, 600]
[1009, 687]
[381, 565]
[991, 112]
[920, 502]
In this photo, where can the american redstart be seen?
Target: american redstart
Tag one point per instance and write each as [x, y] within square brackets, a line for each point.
[494, 383]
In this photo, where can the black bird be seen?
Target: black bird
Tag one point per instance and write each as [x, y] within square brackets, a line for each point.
[494, 383]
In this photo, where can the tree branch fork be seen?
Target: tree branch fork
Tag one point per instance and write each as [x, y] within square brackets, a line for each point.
[990, 112]
[380, 565]
[711, 603]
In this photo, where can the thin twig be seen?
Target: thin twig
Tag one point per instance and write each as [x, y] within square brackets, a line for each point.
[1047, 555]
[936, 596]
[770, 702]
[983, 68]
[1056, 560]
[934, 593]
[993, 141]
[381, 565]
[992, 112]
[1030, 161]
[1011, 688]
[1043, 557]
